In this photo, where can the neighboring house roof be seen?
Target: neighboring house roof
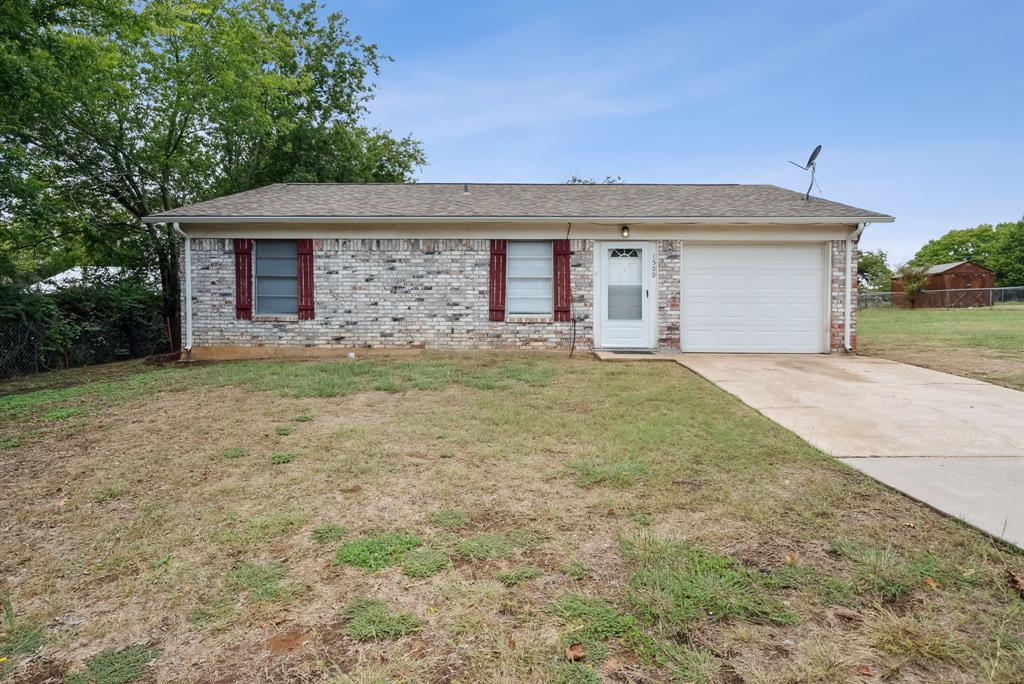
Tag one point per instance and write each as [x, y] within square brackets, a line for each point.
[74, 276]
[491, 201]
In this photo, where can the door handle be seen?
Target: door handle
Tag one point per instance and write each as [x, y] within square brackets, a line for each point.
[647, 293]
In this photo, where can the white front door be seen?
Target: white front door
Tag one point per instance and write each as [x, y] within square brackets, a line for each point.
[624, 295]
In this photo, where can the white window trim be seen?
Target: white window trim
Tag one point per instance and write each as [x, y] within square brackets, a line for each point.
[520, 315]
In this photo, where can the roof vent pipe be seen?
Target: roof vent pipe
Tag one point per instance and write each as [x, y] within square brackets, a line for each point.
[465, 188]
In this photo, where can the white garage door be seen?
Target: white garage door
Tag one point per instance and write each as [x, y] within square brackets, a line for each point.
[752, 298]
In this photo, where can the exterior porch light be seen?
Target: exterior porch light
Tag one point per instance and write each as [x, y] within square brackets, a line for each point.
[625, 231]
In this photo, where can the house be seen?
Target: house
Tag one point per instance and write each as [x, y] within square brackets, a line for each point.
[697, 268]
[953, 285]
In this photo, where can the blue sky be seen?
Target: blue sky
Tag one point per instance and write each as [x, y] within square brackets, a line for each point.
[919, 106]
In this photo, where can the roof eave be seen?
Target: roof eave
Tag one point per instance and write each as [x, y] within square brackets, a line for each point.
[730, 220]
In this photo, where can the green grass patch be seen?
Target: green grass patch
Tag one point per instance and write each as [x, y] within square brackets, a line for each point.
[340, 378]
[449, 519]
[231, 454]
[425, 562]
[674, 583]
[107, 494]
[491, 545]
[263, 581]
[116, 667]
[590, 472]
[884, 574]
[520, 575]
[284, 430]
[999, 327]
[575, 673]
[329, 532]
[303, 418]
[10, 441]
[371, 619]
[260, 529]
[215, 613]
[592, 621]
[281, 457]
[59, 414]
[377, 552]
[576, 570]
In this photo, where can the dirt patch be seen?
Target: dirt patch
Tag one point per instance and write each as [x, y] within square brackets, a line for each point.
[286, 642]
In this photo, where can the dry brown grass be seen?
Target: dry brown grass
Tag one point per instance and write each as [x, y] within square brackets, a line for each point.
[159, 560]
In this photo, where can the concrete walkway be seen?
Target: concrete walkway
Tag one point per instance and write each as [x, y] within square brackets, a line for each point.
[954, 443]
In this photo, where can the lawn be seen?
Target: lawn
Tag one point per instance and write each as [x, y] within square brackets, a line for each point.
[986, 344]
[471, 518]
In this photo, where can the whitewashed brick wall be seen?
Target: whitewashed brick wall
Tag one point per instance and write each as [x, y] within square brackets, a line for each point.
[838, 298]
[430, 293]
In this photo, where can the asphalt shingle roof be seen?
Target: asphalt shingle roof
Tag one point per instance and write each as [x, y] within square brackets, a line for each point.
[495, 200]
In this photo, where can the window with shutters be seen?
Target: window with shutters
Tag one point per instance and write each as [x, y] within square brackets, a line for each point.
[277, 277]
[529, 278]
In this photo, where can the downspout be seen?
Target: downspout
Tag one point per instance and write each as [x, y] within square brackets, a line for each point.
[188, 286]
[848, 306]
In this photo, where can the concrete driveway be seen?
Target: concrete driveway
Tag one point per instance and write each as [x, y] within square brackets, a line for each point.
[954, 443]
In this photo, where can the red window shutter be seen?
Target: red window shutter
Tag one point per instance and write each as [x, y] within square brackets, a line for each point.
[243, 279]
[499, 250]
[304, 252]
[563, 289]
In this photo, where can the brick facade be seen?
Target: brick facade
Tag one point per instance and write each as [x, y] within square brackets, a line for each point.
[837, 301]
[400, 293]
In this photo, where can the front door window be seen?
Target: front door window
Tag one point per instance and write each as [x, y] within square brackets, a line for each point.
[625, 285]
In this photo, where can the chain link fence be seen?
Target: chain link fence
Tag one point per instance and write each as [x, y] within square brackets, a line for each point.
[24, 350]
[944, 299]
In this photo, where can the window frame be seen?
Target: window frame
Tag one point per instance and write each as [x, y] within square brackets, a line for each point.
[509, 279]
[257, 297]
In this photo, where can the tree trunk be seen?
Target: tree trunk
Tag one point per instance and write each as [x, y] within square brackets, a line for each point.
[167, 254]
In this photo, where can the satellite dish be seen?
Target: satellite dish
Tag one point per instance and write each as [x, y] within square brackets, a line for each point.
[811, 166]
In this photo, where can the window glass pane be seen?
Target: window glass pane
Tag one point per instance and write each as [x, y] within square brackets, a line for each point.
[278, 305]
[274, 266]
[625, 303]
[275, 248]
[277, 284]
[529, 278]
[625, 285]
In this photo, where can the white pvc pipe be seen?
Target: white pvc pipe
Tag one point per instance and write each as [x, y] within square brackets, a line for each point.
[188, 285]
[848, 304]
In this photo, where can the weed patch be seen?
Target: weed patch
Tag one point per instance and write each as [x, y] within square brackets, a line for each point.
[232, 453]
[449, 519]
[329, 532]
[284, 430]
[424, 562]
[116, 667]
[10, 441]
[215, 613]
[282, 457]
[304, 418]
[592, 622]
[575, 570]
[377, 552]
[107, 494]
[513, 578]
[63, 413]
[674, 583]
[910, 638]
[370, 619]
[491, 545]
[884, 574]
[263, 581]
[590, 472]
[575, 673]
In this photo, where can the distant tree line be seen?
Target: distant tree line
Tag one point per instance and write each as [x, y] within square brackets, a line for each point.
[999, 249]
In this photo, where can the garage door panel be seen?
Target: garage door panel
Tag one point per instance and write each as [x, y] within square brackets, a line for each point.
[752, 298]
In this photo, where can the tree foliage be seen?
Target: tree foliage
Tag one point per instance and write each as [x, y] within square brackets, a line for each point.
[873, 270]
[999, 248]
[114, 110]
[914, 279]
[579, 180]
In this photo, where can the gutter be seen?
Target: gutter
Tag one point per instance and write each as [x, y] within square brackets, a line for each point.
[188, 286]
[611, 220]
[848, 304]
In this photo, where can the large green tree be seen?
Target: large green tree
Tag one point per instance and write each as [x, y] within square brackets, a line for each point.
[873, 270]
[999, 248]
[113, 110]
